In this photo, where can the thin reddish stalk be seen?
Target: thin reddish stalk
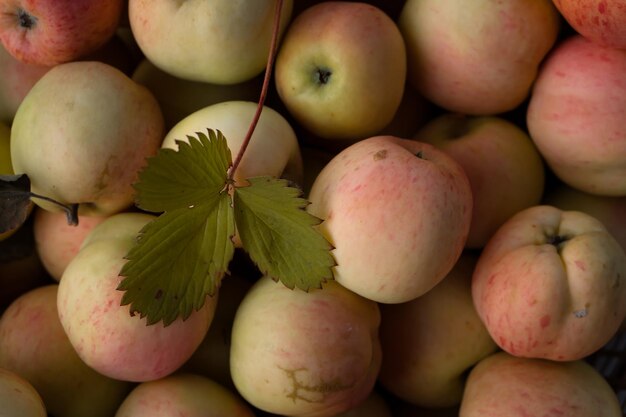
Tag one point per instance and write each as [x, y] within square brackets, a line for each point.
[266, 82]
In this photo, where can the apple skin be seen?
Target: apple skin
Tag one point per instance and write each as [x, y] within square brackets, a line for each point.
[504, 168]
[183, 394]
[18, 397]
[430, 342]
[34, 345]
[48, 33]
[56, 241]
[178, 98]
[82, 134]
[220, 42]
[551, 284]
[104, 333]
[341, 70]
[601, 21]
[313, 354]
[465, 63]
[502, 384]
[397, 212]
[576, 115]
[273, 149]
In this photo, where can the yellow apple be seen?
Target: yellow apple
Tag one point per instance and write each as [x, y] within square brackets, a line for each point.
[18, 397]
[341, 69]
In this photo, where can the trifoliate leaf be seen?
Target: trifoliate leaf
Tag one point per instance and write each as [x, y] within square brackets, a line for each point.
[279, 234]
[181, 257]
[184, 177]
[15, 202]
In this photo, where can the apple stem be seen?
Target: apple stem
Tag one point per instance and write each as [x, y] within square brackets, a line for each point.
[264, 89]
[71, 210]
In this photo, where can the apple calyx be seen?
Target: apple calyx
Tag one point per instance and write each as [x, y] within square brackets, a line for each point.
[321, 75]
[556, 240]
[25, 19]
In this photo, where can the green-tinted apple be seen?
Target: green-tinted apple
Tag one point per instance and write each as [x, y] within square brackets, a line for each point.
[341, 69]
[312, 354]
[82, 134]
[219, 41]
[18, 397]
[429, 343]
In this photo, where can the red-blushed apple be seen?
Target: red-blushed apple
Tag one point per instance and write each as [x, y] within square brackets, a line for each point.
[183, 394]
[18, 397]
[482, 61]
[220, 42]
[296, 353]
[341, 69]
[56, 241]
[601, 21]
[105, 334]
[178, 98]
[576, 115]
[82, 134]
[504, 168]
[505, 385]
[273, 149]
[551, 284]
[16, 81]
[48, 33]
[429, 343]
[397, 212]
[34, 345]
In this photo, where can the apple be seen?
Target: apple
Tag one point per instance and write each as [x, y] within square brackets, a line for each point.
[341, 69]
[611, 211]
[502, 384]
[482, 61]
[551, 284]
[220, 42]
[17, 79]
[575, 115]
[603, 22]
[397, 212]
[179, 98]
[183, 394]
[505, 170]
[82, 134]
[104, 333]
[429, 343]
[314, 354]
[56, 241]
[273, 150]
[34, 345]
[46, 32]
[18, 397]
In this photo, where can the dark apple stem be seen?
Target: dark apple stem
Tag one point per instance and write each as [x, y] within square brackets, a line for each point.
[71, 210]
[264, 89]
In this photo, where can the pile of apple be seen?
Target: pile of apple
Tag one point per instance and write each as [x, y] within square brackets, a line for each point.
[467, 158]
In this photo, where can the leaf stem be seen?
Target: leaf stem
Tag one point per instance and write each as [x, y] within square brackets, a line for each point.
[264, 89]
[71, 210]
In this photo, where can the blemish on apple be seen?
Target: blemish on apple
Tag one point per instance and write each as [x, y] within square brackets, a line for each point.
[382, 154]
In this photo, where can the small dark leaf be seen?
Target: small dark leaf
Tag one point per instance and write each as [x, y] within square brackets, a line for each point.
[15, 202]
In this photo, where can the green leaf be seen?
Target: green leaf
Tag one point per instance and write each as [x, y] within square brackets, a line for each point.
[181, 257]
[15, 202]
[184, 177]
[280, 235]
